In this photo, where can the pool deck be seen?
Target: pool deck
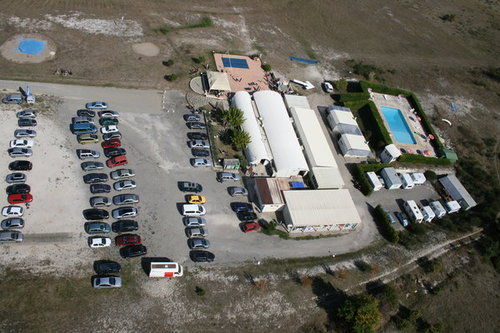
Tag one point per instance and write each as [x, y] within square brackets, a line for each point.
[416, 128]
[247, 79]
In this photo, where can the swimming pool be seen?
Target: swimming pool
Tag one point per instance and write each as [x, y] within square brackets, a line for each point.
[398, 125]
[31, 46]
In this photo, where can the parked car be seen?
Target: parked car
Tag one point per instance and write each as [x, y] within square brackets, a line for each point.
[24, 133]
[402, 218]
[98, 242]
[100, 188]
[197, 136]
[21, 143]
[194, 221]
[131, 251]
[12, 223]
[96, 228]
[198, 144]
[11, 236]
[106, 267]
[190, 187]
[108, 121]
[124, 226]
[122, 173]
[82, 120]
[198, 243]
[391, 217]
[201, 256]
[117, 161]
[16, 177]
[250, 226]
[196, 232]
[124, 185]
[87, 138]
[196, 199]
[196, 125]
[12, 211]
[327, 87]
[85, 113]
[26, 114]
[87, 153]
[92, 166]
[246, 216]
[92, 178]
[109, 129]
[128, 239]
[85, 128]
[200, 152]
[113, 143]
[125, 199]
[13, 99]
[95, 214]
[109, 136]
[26, 122]
[241, 207]
[20, 166]
[193, 210]
[124, 212]
[106, 282]
[192, 117]
[14, 199]
[111, 152]
[225, 176]
[236, 191]
[20, 152]
[200, 162]
[96, 105]
[108, 114]
[100, 201]
[18, 189]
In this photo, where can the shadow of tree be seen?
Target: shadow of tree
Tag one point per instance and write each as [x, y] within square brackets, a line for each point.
[329, 298]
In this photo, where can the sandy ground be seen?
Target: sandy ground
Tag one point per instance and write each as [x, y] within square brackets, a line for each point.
[146, 49]
[9, 49]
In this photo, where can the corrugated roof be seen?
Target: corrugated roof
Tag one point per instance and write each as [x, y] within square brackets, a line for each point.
[296, 101]
[355, 142]
[328, 177]
[456, 190]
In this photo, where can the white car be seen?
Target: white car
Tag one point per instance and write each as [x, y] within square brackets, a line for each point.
[124, 185]
[109, 129]
[12, 211]
[199, 162]
[108, 114]
[193, 210]
[198, 144]
[97, 242]
[327, 86]
[96, 106]
[21, 143]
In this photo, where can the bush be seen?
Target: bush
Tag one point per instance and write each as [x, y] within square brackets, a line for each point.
[171, 77]
[360, 313]
[361, 96]
[447, 17]
[431, 266]
[369, 72]
[430, 176]
[419, 159]
[198, 60]
[266, 67]
[270, 229]
[199, 291]
[341, 85]
[384, 225]
[363, 266]
[168, 62]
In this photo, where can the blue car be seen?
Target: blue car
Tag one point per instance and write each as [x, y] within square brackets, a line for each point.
[402, 218]
[97, 105]
[83, 128]
[241, 207]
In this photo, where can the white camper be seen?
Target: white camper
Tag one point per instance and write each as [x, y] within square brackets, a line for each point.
[413, 211]
[391, 178]
[438, 209]
[452, 206]
[374, 181]
[407, 181]
[428, 213]
[418, 178]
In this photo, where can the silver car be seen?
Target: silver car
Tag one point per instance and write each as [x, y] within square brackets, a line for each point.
[26, 114]
[102, 282]
[11, 236]
[225, 176]
[20, 152]
[200, 162]
[198, 243]
[24, 133]
[122, 173]
[235, 191]
[87, 153]
[196, 232]
[198, 144]
[124, 212]
[194, 221]
[12, 223]
[16, 177]
[99, 201]
[125, 199]
[124, 185]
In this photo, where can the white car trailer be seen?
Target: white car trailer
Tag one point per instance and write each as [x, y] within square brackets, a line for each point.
[165, 269]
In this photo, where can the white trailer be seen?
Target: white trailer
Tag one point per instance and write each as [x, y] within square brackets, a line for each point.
[407, 181]
[418, 178]
[438, 209]
[374, 181]
[165, 269]
[391, 178]
[428, 213]
[452, 206]
[413, 211]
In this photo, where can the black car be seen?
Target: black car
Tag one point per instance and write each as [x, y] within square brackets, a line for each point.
[100, 188]
[20, 166]
[111, 152]
[113, 135]
[197, 136]
[95, 214]
[106, 267]
[25, 122]
[124, 226]
[131, 251]
[200, 152]
[85, 113]
[92, 178]
[190, 187]
[18, 189]
[246, 216]
[108, 121]
[196, 125]
[201, 256]
[91, 166]
[241, 207]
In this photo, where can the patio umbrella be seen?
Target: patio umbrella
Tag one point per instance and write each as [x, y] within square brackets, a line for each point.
[409, 151]
[431, 136]
[427, 153]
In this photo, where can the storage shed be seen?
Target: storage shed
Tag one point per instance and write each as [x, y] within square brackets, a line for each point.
[390, 154]
[391, 178]
[374, 181]
[268, 195]
[457, 191]
[354, 145]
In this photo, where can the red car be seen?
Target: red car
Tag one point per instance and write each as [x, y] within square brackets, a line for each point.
[112, 143]
[250, 226]
[19, 198]
[117, 161]
[128, 239]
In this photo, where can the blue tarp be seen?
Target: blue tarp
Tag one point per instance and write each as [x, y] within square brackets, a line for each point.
[297, 185]
[31, 46]
[307, 61]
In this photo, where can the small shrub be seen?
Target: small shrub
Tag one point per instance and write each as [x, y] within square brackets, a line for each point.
[431, 266]
[266, 67]
[171, 77]
[369, 72]
[447, 17]
[363, 266]
[168, 62]
[199, 291]
[430, 176]
[341, 85]
[403, 324]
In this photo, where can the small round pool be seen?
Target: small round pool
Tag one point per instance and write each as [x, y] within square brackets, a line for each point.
[31, 46]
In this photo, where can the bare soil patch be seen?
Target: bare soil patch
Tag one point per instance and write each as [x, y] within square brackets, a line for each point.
[9, 49]
[146, 49]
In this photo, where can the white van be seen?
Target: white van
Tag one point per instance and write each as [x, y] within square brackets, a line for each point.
[193, 210]
[407, 181]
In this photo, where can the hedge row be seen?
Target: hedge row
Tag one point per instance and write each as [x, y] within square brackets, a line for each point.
[362, 96]
[383, 89]
[413, 158]
[384, 225]
[359, 174]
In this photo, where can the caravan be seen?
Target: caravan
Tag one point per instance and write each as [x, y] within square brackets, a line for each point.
[429, 214]
[413, 211]
[407, 181]
[438, 209]
[374, 181]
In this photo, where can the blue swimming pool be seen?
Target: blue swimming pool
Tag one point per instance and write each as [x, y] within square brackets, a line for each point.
[398, 125]
[31, 46]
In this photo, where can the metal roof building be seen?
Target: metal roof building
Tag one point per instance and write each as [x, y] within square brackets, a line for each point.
[320, 211]
[256, 151]
[285, 148]
[457, 191]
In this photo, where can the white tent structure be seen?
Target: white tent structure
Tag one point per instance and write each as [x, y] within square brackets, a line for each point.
[285, 148]
[354, 145]
[256, 151]
[218, 81]
[341, 120]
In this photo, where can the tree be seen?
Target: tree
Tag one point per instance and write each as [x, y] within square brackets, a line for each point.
[431, 176]
[232, 117]
[171, 77]
[341, 85]
[168, 62]
[360, 313]
[240, 139]
[266, 67]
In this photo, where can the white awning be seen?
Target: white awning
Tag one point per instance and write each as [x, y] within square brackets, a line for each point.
[218, 81]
